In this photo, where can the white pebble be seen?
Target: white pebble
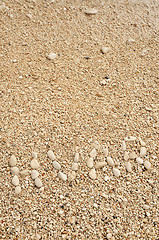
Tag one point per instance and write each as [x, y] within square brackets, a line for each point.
[106, 178]
[56, 165]
[38, 237]
[51, 56]
[143, 144]
[93, 153]
[38, 182]
[147, 165]
[24, 173]
[105, 151]
[90, 163]
[123, 145]
[15, 170]
[146, 207]
[62, 176]
[91, 11]
[105, 49]
[130, 139]
[34, 174]
[34, 155]
[128, 167]
[132, 155]
[92, 174]
[116, 172]
[110, 161]
[75, 166]
[71, 176]
[126, 156]
[103, 82]
[109, 236]
[51, 155]
[12, 161]
[96, 145]
[76, 158]
[142, 152]
[130, 40]
[17, 190]
[139, 160]
[15, 180]
[99, 165]
[35, 164]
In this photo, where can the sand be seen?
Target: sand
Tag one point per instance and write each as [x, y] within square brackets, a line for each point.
[67, 104]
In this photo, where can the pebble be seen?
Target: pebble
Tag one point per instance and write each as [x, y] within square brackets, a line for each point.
[51, 155]
[109, 236]
[56, 165]
[90, 163]
[116, 172]
[24, 173]
[99, 165]
[38, 237]
[139, 160]
[130, 40]
[17, 190]
[128, 167]
[38, 182]
[147, 165]
[126, 156]
[62, 176]
[15, 180]
[105, 49]
[75, 166]
[71, 176]
[132, 155]
[12, 161]
[93, 153]
[123, 145]
[34, 174]
[143, 144]
[34, 155]
[106, 178]
[130, 139]
[51, 56]
[103, 82]
[35, 164]
[15, 170]
[142, 152]
[91, 11]
[76, 158]
[92, 174]
[110, 161]
[96, 145]
[105, 151]
[146, 207]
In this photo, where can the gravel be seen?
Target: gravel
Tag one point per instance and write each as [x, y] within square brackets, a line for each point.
[38, 183]
[110, 161]
[147, 165]
[51, 155]
[34, 174]
[116, 172]
[34, 164]
[56, 165]
[17, 190]
[142, 152]
[12, 161]
[62, 176]
[92, 174]
[90, 163]
[99, 165]
[15, 180]
[15, 170]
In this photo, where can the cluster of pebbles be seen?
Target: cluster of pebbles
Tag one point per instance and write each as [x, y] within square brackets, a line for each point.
[92, 164]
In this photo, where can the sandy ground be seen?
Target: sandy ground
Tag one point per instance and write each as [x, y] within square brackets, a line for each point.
[61, 105]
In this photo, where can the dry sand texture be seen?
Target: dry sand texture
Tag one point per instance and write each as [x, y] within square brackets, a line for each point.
[66, 104]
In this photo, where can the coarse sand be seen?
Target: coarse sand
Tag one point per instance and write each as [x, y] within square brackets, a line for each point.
[79, 79]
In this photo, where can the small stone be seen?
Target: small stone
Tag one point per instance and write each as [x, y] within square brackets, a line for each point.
[139, 160]
[99, 165]
[38, 183]
[90, 163]
[110, 161]
[109, 236]
[38, 237]
[93, 153]
[104, 195]
[34, 174]
[103, 82]
[92, 174]
[130, 139]
[75, 166]
[34, 155]
[126, 156]
[123, 145]
[91, 11]
[17, 190]
[96, 145]
[128, 167]
[105, 49]
[62, 176]
[143, 144]
[132, 155]
[142, 152]
[15, 170]
[146, 207]
[35, 164]
[105, 151]
[15, 180]
[24, 173]
[12, 161]
[76, 158]
[51, 56]
[147, 165]
[106, 178]
[51, 155]
[130, 40]
[56, 165]
[116, 172]
[71, 176]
